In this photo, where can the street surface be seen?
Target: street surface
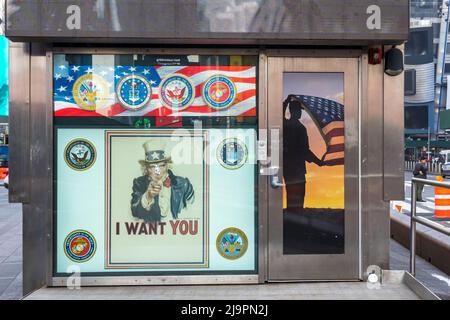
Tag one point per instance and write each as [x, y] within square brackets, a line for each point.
[10, 248]
[424, 209]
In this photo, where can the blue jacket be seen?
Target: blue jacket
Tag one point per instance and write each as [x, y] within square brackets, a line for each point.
[182, 192]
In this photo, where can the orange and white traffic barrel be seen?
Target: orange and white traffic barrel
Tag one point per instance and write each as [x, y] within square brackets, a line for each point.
[441, 201]
[3, 173]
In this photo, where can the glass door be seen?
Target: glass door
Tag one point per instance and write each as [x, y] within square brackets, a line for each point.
[313, 193]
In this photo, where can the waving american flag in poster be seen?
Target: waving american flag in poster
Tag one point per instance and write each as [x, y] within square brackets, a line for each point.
[328, 115]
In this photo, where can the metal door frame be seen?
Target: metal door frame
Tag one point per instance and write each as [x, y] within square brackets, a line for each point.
[356, 173]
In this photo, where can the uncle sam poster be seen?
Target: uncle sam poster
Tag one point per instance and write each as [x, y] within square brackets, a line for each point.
[156, 199]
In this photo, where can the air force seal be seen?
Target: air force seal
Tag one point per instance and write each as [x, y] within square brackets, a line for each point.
[80, 154]
[232, 153]
[232, 243]
[80, 246]
[91, 92]
[176, 92]
[134, 92]
[219, 92]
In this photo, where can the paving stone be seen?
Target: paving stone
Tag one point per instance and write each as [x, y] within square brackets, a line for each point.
[5, 283]
[13, 291]
[14, 258]
[10, 270]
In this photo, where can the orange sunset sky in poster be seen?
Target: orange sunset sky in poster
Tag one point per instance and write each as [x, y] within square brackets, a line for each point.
[324, 185]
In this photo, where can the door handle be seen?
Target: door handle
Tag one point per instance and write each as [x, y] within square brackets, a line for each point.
[275, 179]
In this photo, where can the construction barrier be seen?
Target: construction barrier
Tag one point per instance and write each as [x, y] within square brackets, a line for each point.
[3, 173]
[442, 201]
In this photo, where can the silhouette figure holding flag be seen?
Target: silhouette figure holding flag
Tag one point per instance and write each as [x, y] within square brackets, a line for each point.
[296, 152]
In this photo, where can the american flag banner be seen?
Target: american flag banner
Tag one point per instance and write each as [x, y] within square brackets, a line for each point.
[160, 91]
[328, 115]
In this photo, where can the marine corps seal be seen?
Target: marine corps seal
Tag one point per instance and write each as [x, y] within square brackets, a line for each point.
[80, 246]
[219, 92]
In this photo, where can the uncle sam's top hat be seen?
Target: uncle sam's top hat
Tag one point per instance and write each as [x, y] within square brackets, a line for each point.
[154, 153]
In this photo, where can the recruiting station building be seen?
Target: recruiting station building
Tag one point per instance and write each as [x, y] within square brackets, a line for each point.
[204, 142]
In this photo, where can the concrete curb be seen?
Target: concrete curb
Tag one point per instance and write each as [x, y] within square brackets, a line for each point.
[430, 245]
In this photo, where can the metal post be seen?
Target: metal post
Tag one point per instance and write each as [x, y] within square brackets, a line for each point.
[412, 243]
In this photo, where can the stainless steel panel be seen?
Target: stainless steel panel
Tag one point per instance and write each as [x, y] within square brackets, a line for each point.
[157, 280]
[393, 137]
[19, 121]
[37, 215]
[395, 285]
[194, 51]
[375, 211]
[394, 276]
[262, 181]
[213, 21]
[317, 267]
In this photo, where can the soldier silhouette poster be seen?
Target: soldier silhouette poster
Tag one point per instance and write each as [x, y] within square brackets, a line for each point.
[313, 163]
[156, 207]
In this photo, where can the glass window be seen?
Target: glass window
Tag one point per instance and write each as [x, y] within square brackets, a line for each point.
[410, 82]
[417, 44]
[416, 117]
[149, 150]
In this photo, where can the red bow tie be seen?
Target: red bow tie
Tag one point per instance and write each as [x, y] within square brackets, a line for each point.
[166, 182]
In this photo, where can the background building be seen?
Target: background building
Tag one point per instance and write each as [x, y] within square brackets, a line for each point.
[427, 66]
[4, 90]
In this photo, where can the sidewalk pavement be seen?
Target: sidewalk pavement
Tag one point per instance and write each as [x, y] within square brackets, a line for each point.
[10, 248]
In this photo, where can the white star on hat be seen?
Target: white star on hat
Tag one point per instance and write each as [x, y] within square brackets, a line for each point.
[155, 156]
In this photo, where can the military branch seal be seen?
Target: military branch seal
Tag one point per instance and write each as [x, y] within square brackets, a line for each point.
[176, 92]
[232, 153]
[134, 92]
[90, 92]
[80, 246]
[219, 92]
[80, 154]
[232, 243]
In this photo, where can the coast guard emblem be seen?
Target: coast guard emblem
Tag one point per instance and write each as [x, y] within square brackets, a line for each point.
[91, 92]
[133, 92]
[232, 243]
[219, 92]
[80, 154]
[176, 92]
[232, 154]
[80, 246]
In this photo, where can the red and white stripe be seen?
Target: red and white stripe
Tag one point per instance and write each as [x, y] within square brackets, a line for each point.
[335, 137]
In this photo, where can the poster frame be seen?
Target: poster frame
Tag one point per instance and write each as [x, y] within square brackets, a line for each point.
[108, 186]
